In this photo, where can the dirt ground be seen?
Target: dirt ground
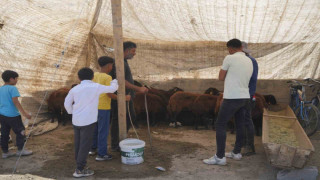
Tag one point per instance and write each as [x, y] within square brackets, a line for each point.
[179, 150]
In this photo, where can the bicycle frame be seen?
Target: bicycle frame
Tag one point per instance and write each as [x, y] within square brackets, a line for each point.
[299, 97]
[308, 115]
[318, 91]
[318, 97]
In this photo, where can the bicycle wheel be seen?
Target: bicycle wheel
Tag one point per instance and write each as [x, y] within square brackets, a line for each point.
[315, 102]
[309, 118]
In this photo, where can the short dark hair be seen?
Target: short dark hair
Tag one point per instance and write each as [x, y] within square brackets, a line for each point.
[85, 74]
[128, 45]
[234, 43]
[8, 74]
[104, 60]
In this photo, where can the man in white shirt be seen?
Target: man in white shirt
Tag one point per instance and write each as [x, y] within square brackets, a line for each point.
[236, 72]
[82, 102]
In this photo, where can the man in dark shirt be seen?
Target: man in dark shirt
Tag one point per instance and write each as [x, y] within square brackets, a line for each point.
[249, 127]
[129, 51]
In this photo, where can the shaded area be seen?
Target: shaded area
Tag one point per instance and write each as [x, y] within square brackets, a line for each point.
[59, 153]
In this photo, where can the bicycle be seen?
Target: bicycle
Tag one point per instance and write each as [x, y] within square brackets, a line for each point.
[306, 113]
[315, 100]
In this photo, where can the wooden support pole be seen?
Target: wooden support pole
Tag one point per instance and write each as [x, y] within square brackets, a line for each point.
[118, 53]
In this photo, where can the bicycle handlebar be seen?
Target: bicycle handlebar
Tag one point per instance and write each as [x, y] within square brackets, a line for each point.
[299, 83]
[310, 79]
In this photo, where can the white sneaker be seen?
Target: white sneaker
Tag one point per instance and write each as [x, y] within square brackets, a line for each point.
[84, 173]
[233, 155]
[23, 152]
[215, 160]
[7, 155]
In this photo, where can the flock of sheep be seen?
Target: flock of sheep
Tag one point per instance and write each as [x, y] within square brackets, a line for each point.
[166, 106]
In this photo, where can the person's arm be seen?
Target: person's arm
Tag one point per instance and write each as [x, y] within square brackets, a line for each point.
[19, 107]
[224, 69]
[68, 102]
[136, 88]
[109, 89]
[222, 75]
[127, 83]
[114, 96]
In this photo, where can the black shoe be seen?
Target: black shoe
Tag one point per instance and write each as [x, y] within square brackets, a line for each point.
[115, 149]
[249, 151]
[93, 152]
[104, 158]
[83, 173]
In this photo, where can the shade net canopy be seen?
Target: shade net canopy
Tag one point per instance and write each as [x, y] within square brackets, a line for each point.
[175, 38]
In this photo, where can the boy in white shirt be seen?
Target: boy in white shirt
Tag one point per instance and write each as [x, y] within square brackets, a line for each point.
[82, 102]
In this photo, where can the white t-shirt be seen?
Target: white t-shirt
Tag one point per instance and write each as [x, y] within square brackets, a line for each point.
[239, 71]
[82, 101]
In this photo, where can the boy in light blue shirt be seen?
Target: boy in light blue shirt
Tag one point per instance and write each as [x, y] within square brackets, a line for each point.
[10, 118]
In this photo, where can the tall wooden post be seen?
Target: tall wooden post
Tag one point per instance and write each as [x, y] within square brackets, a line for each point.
[118, 52]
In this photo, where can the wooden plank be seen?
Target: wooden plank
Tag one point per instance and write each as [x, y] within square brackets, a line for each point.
[272, 152]
[290, 112]
[285, 156]
[281, 155]
[300, 158]
[285, 117]
[302, 137]
[118, 47]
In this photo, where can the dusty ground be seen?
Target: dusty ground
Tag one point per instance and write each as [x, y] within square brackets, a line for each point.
[180, 151]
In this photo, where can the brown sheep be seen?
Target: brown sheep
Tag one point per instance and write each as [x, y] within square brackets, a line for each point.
[165, 95]
[264, 102]
[213, 91]
[137, 83]
[172, 91]
[270, 99]
[256, 113]
[203, 107]
[179, 102]
[159, 93]
[155, 104]
[218, 103]
[56, 105]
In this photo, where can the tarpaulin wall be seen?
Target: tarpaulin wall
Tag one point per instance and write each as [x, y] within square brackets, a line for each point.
[176, 39]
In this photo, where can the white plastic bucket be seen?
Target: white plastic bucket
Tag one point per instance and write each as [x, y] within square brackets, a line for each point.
[132, 151]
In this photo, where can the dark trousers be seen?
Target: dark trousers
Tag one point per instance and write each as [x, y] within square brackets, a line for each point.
[115, 121]
[101, 132]
[82, 143]
[249, 126]
[14, 123]
[228, 109]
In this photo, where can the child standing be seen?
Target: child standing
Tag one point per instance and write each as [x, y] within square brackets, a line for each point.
[101, 132]
[10, 118]
[82, 102]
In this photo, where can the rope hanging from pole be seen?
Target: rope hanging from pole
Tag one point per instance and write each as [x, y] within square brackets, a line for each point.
[146, 105]
[128, 107]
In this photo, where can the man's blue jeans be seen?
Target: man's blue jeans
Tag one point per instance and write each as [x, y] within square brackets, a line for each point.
[100, 136]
